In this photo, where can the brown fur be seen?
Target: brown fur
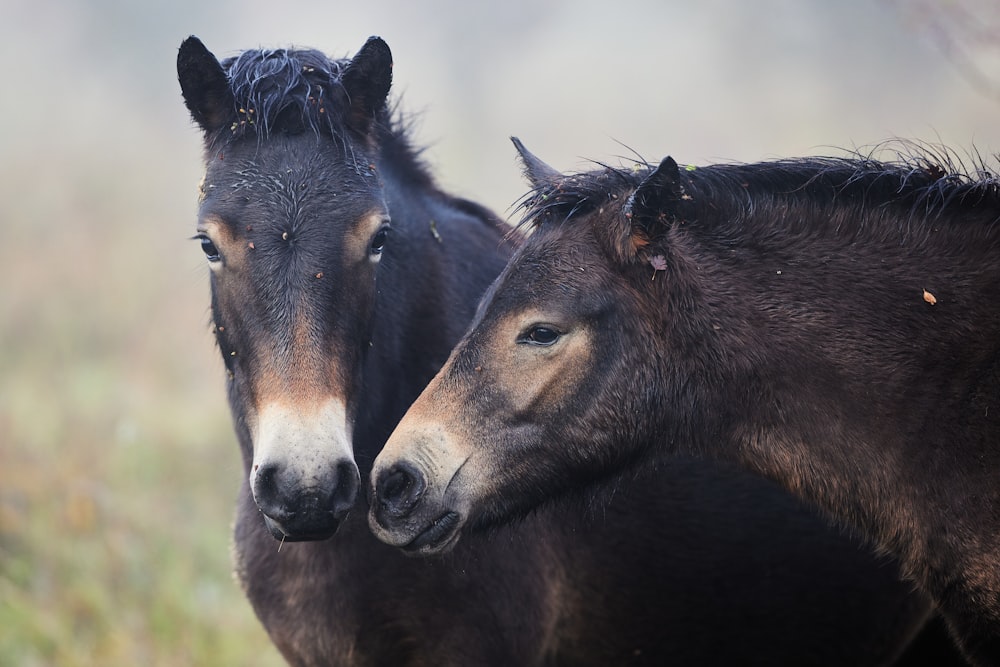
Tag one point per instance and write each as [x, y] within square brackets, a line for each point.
[773, 316]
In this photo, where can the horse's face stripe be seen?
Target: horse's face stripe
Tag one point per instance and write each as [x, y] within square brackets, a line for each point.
[293, 261]
[231, 254]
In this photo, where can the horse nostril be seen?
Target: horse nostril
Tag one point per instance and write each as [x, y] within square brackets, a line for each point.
[347, 482]
[399, 489]
[394, 484]
[264, 481]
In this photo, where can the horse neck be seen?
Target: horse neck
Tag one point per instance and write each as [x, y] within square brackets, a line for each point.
[819, 364]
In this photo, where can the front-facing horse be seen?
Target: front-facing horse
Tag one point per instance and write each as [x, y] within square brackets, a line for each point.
[341, 276]
[832, 324]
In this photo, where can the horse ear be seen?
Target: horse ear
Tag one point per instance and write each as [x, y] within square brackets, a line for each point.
[204, 85]
[652, 207]
[539, 174]
[367, 80]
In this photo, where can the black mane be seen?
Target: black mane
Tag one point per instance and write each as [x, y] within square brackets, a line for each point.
[920, 181]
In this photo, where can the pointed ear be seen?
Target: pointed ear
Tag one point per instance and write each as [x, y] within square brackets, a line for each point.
[652, 208]
[539, 174]
[204, 85]
[367, 80]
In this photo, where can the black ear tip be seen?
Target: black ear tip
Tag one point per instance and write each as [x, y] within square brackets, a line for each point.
[526, 156]
[375, 45]
[191, 43]
[668, 166]
[658, 191]
[367, 80]
[666, 171]
[534, 169]
[191, 53]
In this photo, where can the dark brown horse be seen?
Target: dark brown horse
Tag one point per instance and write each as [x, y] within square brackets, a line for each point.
[832, 324]
[341, 276]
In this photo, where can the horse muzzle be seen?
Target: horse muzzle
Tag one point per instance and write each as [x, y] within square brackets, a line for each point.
[294, 512]
[406, 514]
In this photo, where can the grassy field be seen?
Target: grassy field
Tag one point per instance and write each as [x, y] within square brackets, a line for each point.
[118, 467]
[114, 530]
[117, 482]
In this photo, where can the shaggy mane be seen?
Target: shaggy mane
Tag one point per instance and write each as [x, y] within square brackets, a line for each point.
[926, 181]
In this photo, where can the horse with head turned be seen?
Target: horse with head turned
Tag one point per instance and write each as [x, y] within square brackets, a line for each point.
[828, 323]
[341, 276]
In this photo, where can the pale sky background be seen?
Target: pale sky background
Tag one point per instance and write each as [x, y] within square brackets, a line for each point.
[704, 81]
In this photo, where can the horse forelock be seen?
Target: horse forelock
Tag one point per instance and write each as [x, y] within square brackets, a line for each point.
[577, 194]
[285, 90]
[292, 91]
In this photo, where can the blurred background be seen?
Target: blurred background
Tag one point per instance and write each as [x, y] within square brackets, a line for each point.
[118, 468]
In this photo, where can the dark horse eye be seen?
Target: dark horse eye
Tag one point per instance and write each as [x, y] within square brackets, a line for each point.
[378, 241]
[540, 336]
[207, 247]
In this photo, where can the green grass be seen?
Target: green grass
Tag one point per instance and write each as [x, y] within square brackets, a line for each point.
[118, 466]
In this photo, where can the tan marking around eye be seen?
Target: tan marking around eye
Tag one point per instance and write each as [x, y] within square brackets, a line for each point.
[232, 251]
[533, 378]
[531, 381]
[357, 240]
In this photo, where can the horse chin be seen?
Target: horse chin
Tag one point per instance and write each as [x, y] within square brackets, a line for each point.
[311, 534]
[438, 538]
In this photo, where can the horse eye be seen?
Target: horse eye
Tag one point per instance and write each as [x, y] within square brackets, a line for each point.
[378, 241]
[207, 247]
[544, 336]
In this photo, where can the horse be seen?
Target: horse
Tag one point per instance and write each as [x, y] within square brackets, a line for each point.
[341, 276]
[828, 323]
